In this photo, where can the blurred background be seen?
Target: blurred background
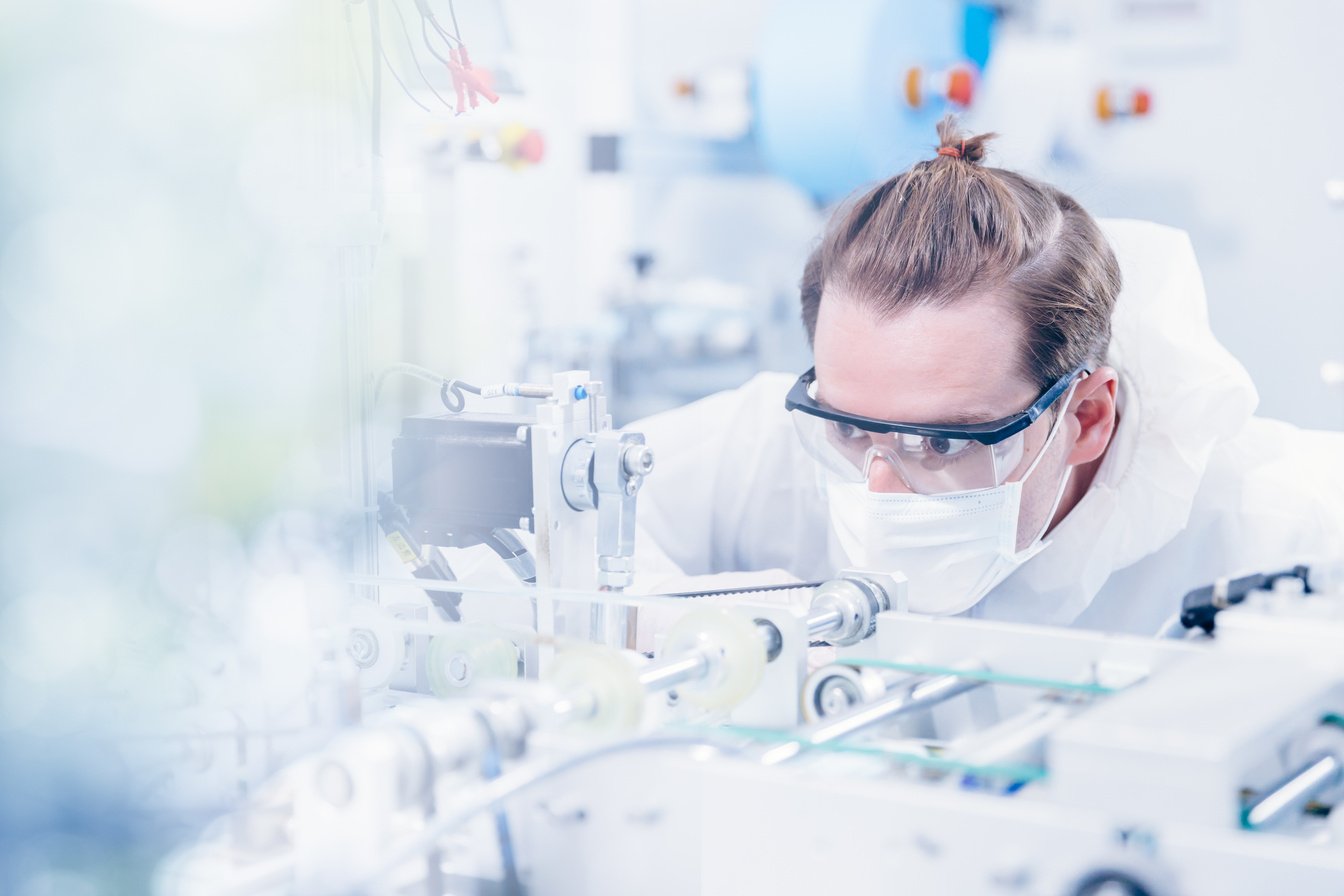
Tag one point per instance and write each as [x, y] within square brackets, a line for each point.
[221, 221]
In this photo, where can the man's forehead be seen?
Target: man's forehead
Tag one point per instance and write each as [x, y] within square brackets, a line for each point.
[926, 364]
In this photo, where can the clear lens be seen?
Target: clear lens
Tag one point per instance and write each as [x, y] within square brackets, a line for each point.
[927, 465]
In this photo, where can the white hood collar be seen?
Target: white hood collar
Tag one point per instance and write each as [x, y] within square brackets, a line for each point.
[1181, 394]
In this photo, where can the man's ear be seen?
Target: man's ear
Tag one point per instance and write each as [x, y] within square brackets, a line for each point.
[1093, 408]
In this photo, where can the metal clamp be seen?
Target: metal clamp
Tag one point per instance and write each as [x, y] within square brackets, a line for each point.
[620, 462]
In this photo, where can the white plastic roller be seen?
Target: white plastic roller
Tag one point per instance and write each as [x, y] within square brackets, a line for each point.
[735, 650]
[376, 643]
[456, 660]
[604, 676]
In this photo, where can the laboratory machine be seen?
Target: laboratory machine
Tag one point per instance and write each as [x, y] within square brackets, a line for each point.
[513, 736]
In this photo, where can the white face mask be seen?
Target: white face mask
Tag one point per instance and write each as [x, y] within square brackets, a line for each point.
[953, 548]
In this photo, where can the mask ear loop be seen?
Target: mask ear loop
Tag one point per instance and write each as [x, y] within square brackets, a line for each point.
[996, 459]
[1054, 426]
[1068, 468]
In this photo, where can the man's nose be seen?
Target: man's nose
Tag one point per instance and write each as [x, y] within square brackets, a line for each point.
[882, 476]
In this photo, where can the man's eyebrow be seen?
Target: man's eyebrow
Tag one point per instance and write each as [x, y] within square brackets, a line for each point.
[963, 418]
[968, 418]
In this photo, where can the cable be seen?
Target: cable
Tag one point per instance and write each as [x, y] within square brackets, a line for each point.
[427, 15]
[450, 391]
[452, 397]
[434, 23]
[452, 13]
[510, 785]
[490, 771]
[415, 60]
[515, 555]
[404, 89]
[428, 46]
[413, 370]
[423, 564]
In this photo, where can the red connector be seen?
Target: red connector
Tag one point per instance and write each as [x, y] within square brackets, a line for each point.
[468, 82]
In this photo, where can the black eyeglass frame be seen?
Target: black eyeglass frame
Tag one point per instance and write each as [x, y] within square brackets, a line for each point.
[989, 433]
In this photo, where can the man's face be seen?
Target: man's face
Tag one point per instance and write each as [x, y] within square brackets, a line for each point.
[953, 365]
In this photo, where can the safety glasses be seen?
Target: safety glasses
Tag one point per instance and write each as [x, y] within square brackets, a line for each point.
[931, 459]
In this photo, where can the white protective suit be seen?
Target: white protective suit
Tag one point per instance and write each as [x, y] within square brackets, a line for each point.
[1192, 487]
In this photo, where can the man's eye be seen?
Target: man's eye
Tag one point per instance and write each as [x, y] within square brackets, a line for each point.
[944, 447]
[846, 431]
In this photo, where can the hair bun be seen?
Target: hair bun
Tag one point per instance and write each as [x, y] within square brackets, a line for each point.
[954, 143]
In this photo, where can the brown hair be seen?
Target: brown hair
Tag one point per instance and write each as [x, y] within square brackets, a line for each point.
[947, 227]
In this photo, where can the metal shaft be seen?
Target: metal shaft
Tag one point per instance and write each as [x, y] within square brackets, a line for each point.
[666, 674]
[923, 694]
[824, 622]
[1290, 794]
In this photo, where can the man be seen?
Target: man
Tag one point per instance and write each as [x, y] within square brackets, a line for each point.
[992, 414]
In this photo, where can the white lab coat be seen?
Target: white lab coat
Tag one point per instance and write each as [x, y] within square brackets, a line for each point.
[1193, 487]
